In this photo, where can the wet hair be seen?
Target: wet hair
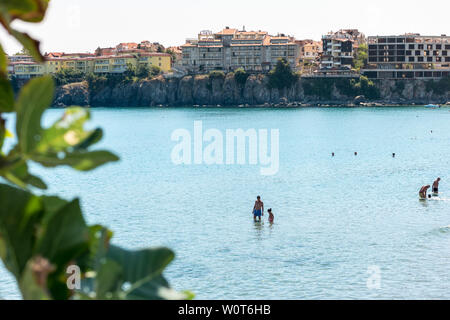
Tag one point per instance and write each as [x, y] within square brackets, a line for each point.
[258, 197]
[429, 196]
[270, 210]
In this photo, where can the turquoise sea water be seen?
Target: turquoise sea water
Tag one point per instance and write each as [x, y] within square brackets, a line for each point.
[335, 217]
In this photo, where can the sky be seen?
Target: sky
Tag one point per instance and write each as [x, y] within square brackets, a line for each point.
[84, 25]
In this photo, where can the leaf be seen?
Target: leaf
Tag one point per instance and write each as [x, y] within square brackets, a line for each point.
[26, 10]
[3, 60]
[82, 161]
[66, 143]
[34, 98]
[29, 43]
[29, 287]
[63, 233]
[8, 134]
[108, 281]
[20, 212]
[6, 96]
[20, 176]
[66, 132]
[143, 270]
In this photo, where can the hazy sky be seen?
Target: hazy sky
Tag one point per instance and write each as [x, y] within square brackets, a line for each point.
[83, 25]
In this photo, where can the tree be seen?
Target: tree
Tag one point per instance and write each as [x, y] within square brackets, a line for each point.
[281, 76]
[155, 71]
[44, 240]
[143, 71]
[172, 54]
[361, 57]
[241, 76]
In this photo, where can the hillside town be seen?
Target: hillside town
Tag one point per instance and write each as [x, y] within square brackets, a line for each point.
[343, 53]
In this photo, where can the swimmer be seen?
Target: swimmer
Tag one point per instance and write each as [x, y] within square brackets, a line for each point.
[393, 155]
[423, 192]
[258, 209]
[332, 154]
[271, 216]
[436, 186]
[356, 153]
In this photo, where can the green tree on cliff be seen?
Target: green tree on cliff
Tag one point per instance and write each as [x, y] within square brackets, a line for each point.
[281, 76]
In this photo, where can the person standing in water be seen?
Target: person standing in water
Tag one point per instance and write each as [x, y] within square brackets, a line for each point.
[436, 186]
[423, 192]
[258, 209]
[271, 216]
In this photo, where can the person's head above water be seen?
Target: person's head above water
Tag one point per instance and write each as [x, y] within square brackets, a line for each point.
[258, 197]
[270, 210]
[429, 196]
[438, 179]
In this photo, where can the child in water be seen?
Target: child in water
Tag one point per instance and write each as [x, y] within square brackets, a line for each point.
[271, 216]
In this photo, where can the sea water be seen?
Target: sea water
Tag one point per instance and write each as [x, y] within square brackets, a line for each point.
[346, 227]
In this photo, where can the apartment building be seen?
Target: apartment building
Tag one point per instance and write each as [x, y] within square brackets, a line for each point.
[339, 47]
[87, 63]
[229, 49]
[309, 50]
[409, 56]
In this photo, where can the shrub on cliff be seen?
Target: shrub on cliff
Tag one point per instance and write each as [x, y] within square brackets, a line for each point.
[216, 74]
[361, 57]
[65, 76]
[281, 76]
[323, 87]
[241, 76]
[440, 87]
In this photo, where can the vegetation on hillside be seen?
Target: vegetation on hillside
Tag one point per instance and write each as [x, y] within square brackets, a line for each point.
[323, 87]
[282, 77]
[361, 57]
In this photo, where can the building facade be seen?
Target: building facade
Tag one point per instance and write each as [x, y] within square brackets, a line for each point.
[339, 48]
[408, 56]
[309, 50]
[87, 63]
[229, 49]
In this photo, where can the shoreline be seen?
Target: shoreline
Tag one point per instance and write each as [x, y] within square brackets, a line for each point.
[268, 106]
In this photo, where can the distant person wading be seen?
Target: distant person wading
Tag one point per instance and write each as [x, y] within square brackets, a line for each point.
[258, 209]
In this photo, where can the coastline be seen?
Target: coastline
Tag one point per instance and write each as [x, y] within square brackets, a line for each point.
[202, 91]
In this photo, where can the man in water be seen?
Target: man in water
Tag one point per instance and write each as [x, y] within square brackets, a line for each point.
[258, 209]
[423, 192]
[436, 186]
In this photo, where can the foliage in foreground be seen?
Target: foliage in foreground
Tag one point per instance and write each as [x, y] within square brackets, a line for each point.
[45, 241]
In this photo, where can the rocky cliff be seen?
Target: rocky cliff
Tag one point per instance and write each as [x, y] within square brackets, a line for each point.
[203, 90]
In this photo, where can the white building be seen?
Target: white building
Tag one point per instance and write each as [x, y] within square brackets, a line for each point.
[229, 49]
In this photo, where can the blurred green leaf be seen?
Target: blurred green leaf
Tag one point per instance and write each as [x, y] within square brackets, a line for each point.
[6, 96]
[82, 161]
[66, 132]
[34, 98]
[19, 175]
[3, 60]
[26, 10]
[66, 143]
[143, 271]
[108, 281]
[20, 213]
[63, 233]
[29, 43]
[29, 287]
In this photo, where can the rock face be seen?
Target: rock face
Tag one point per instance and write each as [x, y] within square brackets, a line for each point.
[72, 94]
[225, 91]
